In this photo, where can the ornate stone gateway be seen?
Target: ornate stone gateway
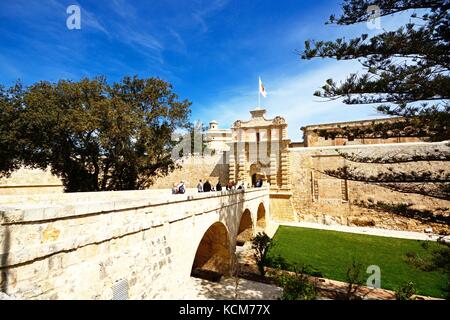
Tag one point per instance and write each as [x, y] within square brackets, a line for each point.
[259, 149]
[260, 146]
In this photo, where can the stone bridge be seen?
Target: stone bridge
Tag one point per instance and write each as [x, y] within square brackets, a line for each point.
[127, 244]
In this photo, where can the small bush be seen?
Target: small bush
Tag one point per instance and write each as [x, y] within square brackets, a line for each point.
[405, 291]
[354, 280]
[261, 244]
[296, 287]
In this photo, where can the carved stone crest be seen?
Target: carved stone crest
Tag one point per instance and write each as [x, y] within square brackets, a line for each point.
[279, 120]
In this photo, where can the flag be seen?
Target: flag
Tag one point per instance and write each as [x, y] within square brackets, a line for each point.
[262, 90]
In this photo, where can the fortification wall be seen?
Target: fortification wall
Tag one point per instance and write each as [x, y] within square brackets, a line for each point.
[316, 197]
[28, 181]
[320, 198]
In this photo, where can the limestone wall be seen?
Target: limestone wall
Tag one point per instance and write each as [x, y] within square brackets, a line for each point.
[85, 245]
[315, 196]
[27, 181]
[190, 169]
[320, 198]
[314, 140]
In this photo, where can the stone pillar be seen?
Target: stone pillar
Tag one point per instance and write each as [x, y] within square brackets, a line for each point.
[284, 135]
[285, 167]
[274, 157]
[232, 164]
[241, 161]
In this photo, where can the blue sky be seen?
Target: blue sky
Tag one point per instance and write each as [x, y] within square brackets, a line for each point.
[211, 51]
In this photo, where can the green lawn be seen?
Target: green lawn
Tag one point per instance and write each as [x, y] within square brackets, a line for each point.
[331, 252]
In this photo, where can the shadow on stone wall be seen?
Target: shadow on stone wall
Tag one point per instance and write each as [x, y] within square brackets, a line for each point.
[439, 215]
[220, 171]
[4, 258]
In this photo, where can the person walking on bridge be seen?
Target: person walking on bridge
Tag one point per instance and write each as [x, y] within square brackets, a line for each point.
[200, 186]
[207, 186]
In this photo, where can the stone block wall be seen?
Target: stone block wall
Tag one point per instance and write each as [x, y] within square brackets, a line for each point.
[190, 169]
[321, 198]
[26, 181]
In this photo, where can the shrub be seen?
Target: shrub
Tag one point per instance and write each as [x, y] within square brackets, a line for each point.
[354, 280]
[405, 291]
[296, 286]
[261, 244]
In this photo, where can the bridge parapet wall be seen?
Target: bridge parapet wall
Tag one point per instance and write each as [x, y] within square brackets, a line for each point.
[70, 246]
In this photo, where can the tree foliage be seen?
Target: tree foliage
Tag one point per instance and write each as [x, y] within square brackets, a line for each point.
[407, 70]
[406, 291]
[93, 135]
[193, 140]
[417, 155]
[10, 102]
[296, 286]
[421, 170]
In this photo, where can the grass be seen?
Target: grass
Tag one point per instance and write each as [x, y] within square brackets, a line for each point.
[331, 252]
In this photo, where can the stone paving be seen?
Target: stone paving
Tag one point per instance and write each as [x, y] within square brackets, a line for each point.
[229, 288]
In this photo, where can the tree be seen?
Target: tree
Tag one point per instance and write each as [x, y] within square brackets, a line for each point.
[407, 70]
[97, 136]
[261, 244]
[406, 75]
[9, 146]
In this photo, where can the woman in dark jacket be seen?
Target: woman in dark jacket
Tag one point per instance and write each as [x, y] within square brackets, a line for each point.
[207, 186]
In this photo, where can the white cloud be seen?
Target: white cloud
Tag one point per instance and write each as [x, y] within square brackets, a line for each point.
[206, 11]
[89, 20]
[142, 39]
[124, 9]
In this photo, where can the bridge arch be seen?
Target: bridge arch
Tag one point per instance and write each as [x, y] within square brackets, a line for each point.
[261, 218]
[245, 229]
[214, 252]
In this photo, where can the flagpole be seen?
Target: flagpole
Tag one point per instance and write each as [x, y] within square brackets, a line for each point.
[259, 93]
[259, 100]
